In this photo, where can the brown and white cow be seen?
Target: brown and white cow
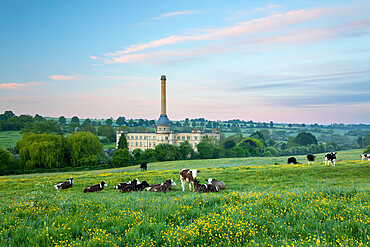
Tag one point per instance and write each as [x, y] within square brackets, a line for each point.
[65, 184]
[187, 175]
[221, 185]
[123, 185]
[96, 187]
[163, 187]
[202, 188]
[365, 156]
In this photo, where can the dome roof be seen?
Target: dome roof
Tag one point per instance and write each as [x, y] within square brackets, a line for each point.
[163, 120]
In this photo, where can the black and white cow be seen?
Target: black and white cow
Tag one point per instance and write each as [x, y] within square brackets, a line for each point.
[187, 175]
[163, 187]
[96, 187]
[292, 160]
[202, 188]
[122, 185]
[137, 187]
[365, 156]
[311, 159]
[144, 166]
[221, 185]
[65, 184]
[330, 157]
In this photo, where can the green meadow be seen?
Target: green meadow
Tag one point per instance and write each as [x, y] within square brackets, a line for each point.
[9, 138]
[264, 205]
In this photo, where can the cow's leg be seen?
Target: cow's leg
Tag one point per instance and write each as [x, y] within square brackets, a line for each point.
[190, 186]
[333, 162]
[182, 183]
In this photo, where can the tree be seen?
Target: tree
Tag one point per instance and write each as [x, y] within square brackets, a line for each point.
[83, 145]
[75, 119]
[367, 140]
[291, 142]
[62, 120]
[42, 151]
[150, 155]
[122, 157]
[122, 142]
[107, 131]
[6, 115]
[305, 138]
[6, 160]
[185, 150]
[109, 122]
[120, 121]
[166, 152]
[40, 127]
[137, 154]
[207, 150]
[228, 144]
[38, 118]
[265, 133]
[193, 124]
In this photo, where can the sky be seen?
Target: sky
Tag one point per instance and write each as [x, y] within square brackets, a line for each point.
[281, 61]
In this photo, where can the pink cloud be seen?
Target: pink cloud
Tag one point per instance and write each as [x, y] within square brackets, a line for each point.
[268, 7]
[63, 77]
[185, 12]
[18, 86]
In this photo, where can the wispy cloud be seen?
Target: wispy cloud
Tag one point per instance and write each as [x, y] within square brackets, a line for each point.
[185, 12]
[65, 77]
[18, 86]
[267, 8]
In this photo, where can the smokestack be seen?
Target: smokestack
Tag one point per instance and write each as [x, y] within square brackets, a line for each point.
[163, 94]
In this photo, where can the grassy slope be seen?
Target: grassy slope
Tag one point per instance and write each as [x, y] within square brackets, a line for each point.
[9, 138]
[264, 204]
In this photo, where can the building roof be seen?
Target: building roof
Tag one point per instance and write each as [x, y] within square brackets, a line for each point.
[163, 120]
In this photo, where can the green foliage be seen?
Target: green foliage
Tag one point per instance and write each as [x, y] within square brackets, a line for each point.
[150, 155]
[137, 154]
[366, 140]
[109, 122]
[367, 150]
[75, 119]
[207, 150]
[305, 138]
[42, 151]
[6, 160]
[122, 157]
[166, 152]
[82, 145]
[120, 121]
[62, 120]
[107, 131]
[185, 150]
[41, 127]
[122, 142]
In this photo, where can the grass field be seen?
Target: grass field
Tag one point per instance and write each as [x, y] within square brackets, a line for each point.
[264, 204]
[9, 138]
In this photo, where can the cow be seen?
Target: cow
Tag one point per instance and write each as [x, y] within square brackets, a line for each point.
[144, 166]
[221, 185]
[330, 157]
[187, 175]
[202, 188]
[292, 160]
[65, 184]
[96, 187]
[163, 187]
[137, 187]
[365, 156]
[122, 185]
[311, 159]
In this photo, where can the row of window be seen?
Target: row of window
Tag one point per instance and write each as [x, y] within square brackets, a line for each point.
[159, 137]
[150, 144]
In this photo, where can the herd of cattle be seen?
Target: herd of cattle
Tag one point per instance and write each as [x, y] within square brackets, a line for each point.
[186, 176]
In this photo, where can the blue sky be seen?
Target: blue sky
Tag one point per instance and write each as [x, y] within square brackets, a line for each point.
[281, 61]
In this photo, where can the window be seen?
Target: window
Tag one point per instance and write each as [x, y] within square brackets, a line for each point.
[188, 137]
[136, 137]
[144, 137]
[132, 144]
[195, 138]
[144, 144]
[141, 144]
[166, 137]
[183, 137]
[150, 144]
[136, 144]
[141, 137]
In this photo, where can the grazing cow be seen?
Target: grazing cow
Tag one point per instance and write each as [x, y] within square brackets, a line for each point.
[311, 159]
[65, 184]
[187, 175]
[330, 157]
[201, 188]
[293, 160]
[221, 185]
[365, 156]
[163, 187]
[122, 185]
[137, 187]
[144, 166]
[96, 187]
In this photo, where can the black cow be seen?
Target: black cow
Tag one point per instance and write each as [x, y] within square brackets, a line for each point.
[292, 160]
[144, 166]
[122, 185]
[330, 157]
[65, 184]
[311, 159]
[137, 187]
[365, 156]
[96, 187]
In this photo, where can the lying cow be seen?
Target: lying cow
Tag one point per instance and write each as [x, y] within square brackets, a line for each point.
[311, 159]
[137, 187]
[221, 185]
[330, 157]
[187, 175]
[163, 187]
[96, 187]
[65, 184]
[292, 160]
[122, 185]
[144, 166]
[202, 188]
[365, 156]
